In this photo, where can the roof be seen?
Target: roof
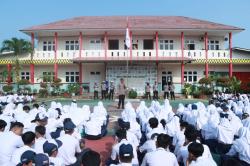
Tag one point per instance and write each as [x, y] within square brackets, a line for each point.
[135, 22]
[241, 49]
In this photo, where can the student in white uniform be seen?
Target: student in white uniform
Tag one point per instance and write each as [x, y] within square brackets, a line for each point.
[10, 141]
[40, 138]
[161, 155]
[195, 158]
[155, 126]
[70, 145]
[28, 140]
[125, 155]
[51, 149]
[27, 158]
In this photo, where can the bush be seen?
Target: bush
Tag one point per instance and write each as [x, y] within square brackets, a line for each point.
[74, 88]
[23, 82]
[132, 94]
[205, 81]
[187, 89]
[196, 94]
[43, 93]
[7, 88]
[43, 85]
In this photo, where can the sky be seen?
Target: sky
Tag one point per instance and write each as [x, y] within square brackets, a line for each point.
[20, 14]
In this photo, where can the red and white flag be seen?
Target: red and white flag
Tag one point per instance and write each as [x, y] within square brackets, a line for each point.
[127, 40]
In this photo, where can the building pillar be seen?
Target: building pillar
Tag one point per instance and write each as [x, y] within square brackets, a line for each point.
[182, 55]
[105, 45]
[206, 54]
[156, 45]
[9, 66]
[231, 55]
[130, 48]
[55, 51]
[32, 66]
[80, 64]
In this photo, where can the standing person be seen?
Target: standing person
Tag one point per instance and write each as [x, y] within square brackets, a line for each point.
[96, 91]
[103, 89]
[107, 89]
[111, 90]
[172, 88]
[166, 91]
[147, 89]
[121, 92]
[155, 91]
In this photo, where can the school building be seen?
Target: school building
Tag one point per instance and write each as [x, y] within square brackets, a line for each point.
[92, 49]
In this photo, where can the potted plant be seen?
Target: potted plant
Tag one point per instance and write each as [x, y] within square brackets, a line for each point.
[74, 89]
[132, 94]
[187, 90]
[56, 86]
[7, 88]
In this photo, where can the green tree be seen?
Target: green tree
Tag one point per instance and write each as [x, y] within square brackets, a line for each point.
[234, 85]
[19, 47]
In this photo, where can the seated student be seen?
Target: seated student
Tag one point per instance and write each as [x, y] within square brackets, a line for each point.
[94, 130]
[241, 147]
[40, 138]
[121, 138]
[51, 149]
[70, 145]
[27, 158]
[179, 137]
[149, 145]
[90, 157]
[28, 140]
[3, 124]
[195, 152]
[161, 155]
[125, 155]
[131, 137]
[41, 160]
[154, 125]
[10, 141]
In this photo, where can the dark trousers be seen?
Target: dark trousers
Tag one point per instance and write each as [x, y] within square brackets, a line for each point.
[111, 94]
[121, 101]
[148, 95]
[155, 95]
[172, 95]
[95, 94]
[103, 94]
[166, 94]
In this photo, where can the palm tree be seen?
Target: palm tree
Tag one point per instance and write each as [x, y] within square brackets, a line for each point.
[19, 47]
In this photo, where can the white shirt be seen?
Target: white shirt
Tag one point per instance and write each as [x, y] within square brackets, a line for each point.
[131, 137]
[16, 157]
[159, 157]
[57, 161]
[39, 145]
[115, 151]
[200, 161]
[93, 128]
[148, 146]
[70, 146]
[122, 164]
[9, 142]
[157, 130]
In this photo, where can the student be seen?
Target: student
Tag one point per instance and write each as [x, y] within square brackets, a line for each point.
[96, 88]
[161, 155]
[155, 91]
[125, 155]
[111, 90]
[121, 93]
[27, 158]
[195, 151]
[28, 140]
[10, 141]
[41, 160]
[40, 138]
[90, 158]
[70, 145]
[51, 149]
[147, 90]
[154, 125]
[3, 124]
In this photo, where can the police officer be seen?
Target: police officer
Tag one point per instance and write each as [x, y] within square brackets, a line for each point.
[172, 88]
[96, 91]
[147, 89]
[155, 91]
[103, 89]
[121, 92]
[166, 91]
[111, 90]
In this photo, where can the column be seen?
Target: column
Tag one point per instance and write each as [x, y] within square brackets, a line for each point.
[9, 66]
[130, 48]
[182, 55]
[105, 45]
[32, 66]
[80, 64]
[156, 45]
[231, 55]
[55, 64]
[206, 55]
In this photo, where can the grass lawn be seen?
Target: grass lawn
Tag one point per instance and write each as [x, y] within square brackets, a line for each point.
[107, 103]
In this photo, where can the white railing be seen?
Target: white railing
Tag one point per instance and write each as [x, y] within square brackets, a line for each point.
[218, 54]
[169, 53]
[194, 54]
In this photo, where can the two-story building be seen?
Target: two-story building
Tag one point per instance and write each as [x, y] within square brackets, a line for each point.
[92, 49]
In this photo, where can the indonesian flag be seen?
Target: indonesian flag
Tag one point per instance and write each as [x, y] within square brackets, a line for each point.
[127, 41]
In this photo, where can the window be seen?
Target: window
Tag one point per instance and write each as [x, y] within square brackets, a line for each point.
[189, 45]
[166, 44]
[48, 46]
[25, 75]
[72, 77]
[72, 45]
[95, 44]
[213, 45]
[95, 73]
[134, 45]
[113, 44]
[190, 76]
[48, 76]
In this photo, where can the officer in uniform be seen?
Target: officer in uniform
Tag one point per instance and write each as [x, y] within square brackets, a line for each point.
[155, 91]
[96, 91]
[111, 90]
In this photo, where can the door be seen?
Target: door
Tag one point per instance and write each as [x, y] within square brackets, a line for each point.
[114, 44]
[148, 44]
[164, 82]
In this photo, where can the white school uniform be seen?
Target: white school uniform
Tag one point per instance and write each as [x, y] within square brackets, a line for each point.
[16, 156]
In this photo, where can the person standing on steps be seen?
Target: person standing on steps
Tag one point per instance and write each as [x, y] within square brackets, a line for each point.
[96, 91]
[111, 90]
[155, 91]
[121, 93]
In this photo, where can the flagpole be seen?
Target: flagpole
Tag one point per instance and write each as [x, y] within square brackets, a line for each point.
[127, 66]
